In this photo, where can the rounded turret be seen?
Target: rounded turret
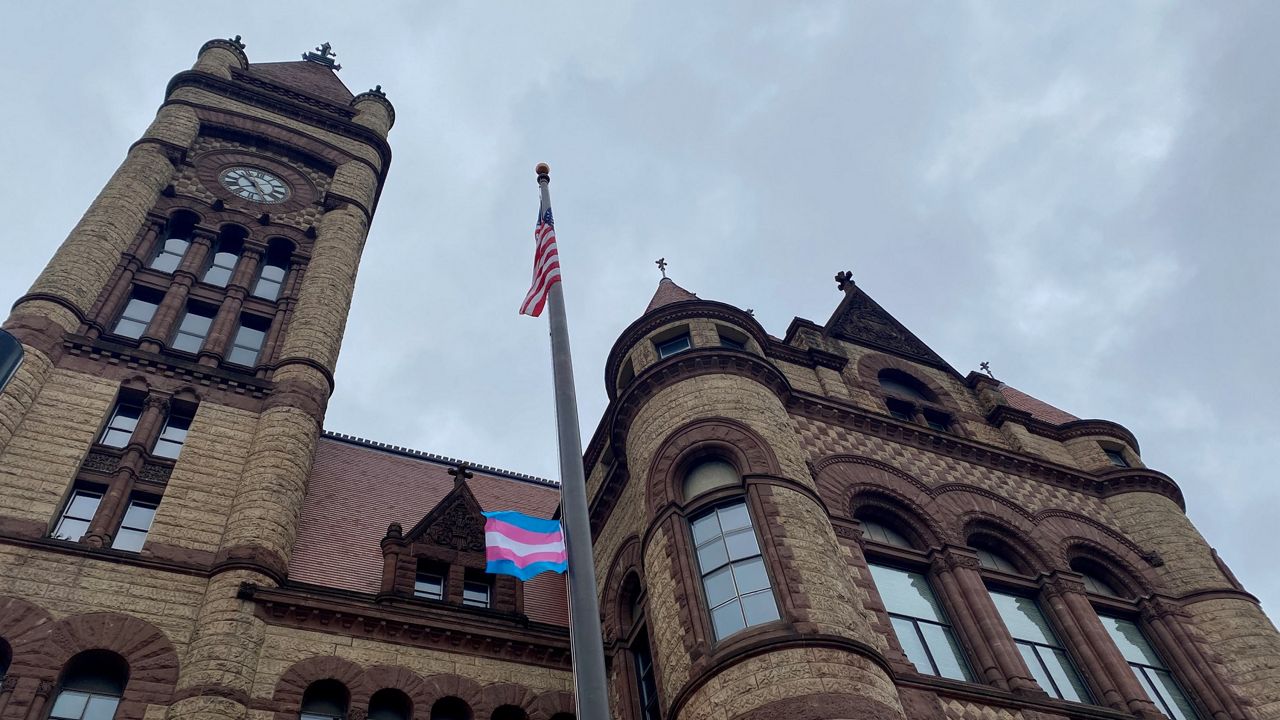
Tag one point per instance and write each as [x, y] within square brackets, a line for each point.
[219, 56]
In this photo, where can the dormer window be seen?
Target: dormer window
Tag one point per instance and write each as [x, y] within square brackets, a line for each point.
[429, 583]
[677, 344]
[907, 399]
[896, 382]
[477, 591]
[1116, 457]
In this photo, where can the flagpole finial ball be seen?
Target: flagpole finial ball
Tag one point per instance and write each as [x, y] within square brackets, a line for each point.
[542, 169]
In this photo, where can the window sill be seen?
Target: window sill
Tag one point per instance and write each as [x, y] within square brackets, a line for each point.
[988, 695]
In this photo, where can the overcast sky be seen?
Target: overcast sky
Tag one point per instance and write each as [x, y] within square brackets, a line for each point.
[1083, 194]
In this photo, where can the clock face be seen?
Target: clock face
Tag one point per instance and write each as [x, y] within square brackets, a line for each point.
[256, 185]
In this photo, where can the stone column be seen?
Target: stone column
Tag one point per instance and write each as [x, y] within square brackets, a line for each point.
[966, 622]
[110, 304]
[1005, 654]
[1095, 669]
[114, 501]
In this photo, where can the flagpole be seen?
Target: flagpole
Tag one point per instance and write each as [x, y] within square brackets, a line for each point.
[585, 640]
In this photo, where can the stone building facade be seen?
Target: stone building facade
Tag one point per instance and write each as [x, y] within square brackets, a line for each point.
[831, 524]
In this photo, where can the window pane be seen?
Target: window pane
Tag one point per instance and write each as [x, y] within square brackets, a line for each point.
[1037, 670]
[83, 505]
[475, 594]
[741, 544]
[130, 328]
[1172, 694]
[906, 593]
[911, 645]
[719, 586]
[946, 651]
[673, 346]
[139, 516]
[705, 528]
[116, 438]
[129, 540]
[167, 449]
[990, 560]
[133, 321]
[750, 575]
[125, 417]
[712, 555]
[1023, 619]
[101, 707]
[241, 356]
[734, 517]
[70, 704]
[759, 607]
[429, 586]
[1069, 683]
[727, 619]
[1129, 639]
[69, 529]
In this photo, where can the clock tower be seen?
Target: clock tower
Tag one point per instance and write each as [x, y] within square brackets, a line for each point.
[180, 348]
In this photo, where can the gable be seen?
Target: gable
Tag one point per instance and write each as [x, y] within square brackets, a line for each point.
[862, 321]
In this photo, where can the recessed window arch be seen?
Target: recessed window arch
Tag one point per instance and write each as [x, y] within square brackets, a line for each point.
[91, 686]
[995, 552]
[177, 239]
[451, 708]
[910, 400]
[509, 712]
[325, 700]
[225, 256]
[1100, 579]
[275, 266]
[903, 385]
[707, 474]
[6, 656]
[876, 531]
[390, 704]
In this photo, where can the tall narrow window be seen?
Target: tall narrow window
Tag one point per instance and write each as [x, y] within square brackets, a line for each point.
[137, 313]
[135, 525]
[1040, 648]
[193, 329]
[92, 686]
[119, 429]
[733, 572]
[922, 628]
[646, 680]
[1152, 674]
[247, 344]
[169, 255]
[429, 583]
[77, 515]
[173, 435]
[223, 263]
[272, 271]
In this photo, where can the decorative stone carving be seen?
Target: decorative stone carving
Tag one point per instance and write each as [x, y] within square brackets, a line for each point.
[101, 462]
[156, 473]
[863, 321]
[458, 528]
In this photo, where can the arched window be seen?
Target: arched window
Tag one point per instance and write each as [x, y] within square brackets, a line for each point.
[509, 712]
[709, 475]
[92, 685]
[909, 400]
[1040, 647]
[272, 271]
[170, 252]
[224, 260]
[734, 578]
[390, 704]
[450, 708]
[993, 560]
[896, 382]
[919, 622]
[877, 532]
[325, 700]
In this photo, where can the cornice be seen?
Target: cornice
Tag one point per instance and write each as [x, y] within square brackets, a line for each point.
[182, 370]
[988, 695]
[412, 622]
[1067, 431]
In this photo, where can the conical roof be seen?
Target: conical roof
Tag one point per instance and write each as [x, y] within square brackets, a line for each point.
[668, 292]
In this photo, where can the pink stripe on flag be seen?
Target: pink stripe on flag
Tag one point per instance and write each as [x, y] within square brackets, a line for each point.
[501, 553]
[521, 535]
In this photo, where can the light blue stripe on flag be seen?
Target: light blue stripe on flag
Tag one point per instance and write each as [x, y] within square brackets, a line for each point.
[525, 522]
[506, 567]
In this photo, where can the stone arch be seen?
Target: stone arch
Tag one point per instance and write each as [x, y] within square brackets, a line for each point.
[872, 364]
[719, 437]
[551, 703]
[1009, 536]
[1113, 566]
[848, 483]
[396, 677]
[449, 685]
[289, 689]
[628, 562]
[496, 695]
[151, 658]
[24, 626]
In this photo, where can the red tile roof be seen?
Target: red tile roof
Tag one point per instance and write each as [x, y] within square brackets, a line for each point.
[1039, 409]
[668, 292]
[357, 489]
[311, 78]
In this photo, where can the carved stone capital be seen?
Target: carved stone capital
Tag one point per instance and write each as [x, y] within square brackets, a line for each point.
[9, 682]
[44, 688]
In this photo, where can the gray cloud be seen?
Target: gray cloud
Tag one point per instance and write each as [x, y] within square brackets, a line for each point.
[1079, 193]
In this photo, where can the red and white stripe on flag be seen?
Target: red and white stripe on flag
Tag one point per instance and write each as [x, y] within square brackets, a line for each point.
[546, 265]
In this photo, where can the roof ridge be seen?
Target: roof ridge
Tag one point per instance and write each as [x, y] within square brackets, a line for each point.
[424, 455]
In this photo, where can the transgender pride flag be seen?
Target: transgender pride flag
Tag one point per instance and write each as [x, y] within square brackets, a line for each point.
[523, 546]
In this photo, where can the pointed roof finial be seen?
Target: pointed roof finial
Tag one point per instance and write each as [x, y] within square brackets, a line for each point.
[844, 281]
[460, 474]
[324, 55]
[662, 266]
[986, 368]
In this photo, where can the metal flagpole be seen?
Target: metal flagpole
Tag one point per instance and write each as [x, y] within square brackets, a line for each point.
[584, 612]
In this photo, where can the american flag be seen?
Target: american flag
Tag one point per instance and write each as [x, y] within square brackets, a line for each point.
[546, 265]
